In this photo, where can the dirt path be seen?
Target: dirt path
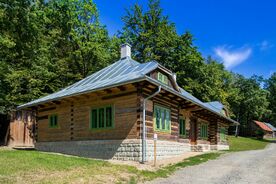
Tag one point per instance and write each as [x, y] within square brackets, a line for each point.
[248, 167]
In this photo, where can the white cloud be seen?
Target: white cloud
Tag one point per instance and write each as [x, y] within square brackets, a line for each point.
[232, 58]
[265, 45]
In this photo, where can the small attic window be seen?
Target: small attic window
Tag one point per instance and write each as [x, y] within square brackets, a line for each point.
[162, 78]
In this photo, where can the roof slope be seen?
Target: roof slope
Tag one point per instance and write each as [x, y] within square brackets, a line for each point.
[271, 127]
[215, 105]
[263, 126]
[121, 72]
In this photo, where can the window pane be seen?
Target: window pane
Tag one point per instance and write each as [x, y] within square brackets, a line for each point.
[55, 120]
[184, 127]
[165, 79]
[204, 131]
[157, 117]
[181, 127]
[108, 116]
[159, 76]
[94, 118]
[51, 121]
[167, 119]
[163, 118]
[101, 118]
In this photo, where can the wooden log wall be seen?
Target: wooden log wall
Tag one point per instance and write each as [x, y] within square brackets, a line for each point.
[74, 116]
[162, 99]
[199, 139]
[222, 125]
[213, 133]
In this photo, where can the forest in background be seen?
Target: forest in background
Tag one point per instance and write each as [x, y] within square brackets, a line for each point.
[48, 45]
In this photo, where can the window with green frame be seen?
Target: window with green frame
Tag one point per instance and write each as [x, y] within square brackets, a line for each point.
[53, 121]
[182, 126]
[204, 131]
[162, 78]
[102, 117]
[162, 118]
[222, 134]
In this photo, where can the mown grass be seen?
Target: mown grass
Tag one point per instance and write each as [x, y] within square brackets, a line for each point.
[39, 167]
[168, 170]
[246, 143]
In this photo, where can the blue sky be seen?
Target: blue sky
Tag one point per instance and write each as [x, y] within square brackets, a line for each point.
[239, 33]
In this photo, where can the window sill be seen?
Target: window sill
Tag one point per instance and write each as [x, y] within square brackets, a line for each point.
[100, 129]
[54, 127]
[162, 131]
[183, 136]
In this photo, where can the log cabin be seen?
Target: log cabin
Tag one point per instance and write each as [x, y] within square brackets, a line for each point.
[267, 129]
[116, 112]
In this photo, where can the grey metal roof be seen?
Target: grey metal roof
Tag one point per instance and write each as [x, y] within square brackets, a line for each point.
[271, 127]
[121, 72]
[215, 105]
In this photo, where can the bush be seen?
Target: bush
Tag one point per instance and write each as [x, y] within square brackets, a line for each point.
[259, 134]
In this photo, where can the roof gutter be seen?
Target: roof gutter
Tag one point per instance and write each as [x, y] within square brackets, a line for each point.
[144, 137]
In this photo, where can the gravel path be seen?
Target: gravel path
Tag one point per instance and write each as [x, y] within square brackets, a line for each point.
[248, 167]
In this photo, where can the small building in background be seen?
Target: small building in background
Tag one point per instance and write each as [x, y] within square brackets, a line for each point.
[272, 128]
[258, 126]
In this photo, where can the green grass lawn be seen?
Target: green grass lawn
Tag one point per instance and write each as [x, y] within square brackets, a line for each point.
[245, 143]
[38, 167]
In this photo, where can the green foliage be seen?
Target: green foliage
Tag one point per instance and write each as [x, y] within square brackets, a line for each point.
[259, 134]
[252, 102]
[154, 37]
[48, 45]
[270, 85]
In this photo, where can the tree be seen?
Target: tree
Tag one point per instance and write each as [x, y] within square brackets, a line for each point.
[79, 43]
[154, 37]
[18, 34]
[47, 45]
[252, 100]
[270, 85]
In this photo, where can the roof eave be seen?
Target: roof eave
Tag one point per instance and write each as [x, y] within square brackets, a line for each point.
[24, 106]
[181, 96]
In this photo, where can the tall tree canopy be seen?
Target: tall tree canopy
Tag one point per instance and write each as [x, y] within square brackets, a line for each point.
[154, 37]
[48, 45]
[271, 87]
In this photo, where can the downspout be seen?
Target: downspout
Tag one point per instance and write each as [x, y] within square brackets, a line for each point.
[144, 124]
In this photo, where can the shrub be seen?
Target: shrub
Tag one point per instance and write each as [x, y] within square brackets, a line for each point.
[259, 134]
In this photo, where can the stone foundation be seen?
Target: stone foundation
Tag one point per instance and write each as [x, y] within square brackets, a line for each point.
[201, 147]
[222, 147]
[129, 149]
[103, 149]
[207, 147]
[166, 149]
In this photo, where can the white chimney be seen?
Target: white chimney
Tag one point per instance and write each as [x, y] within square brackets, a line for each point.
[125, 50]
[174, 76]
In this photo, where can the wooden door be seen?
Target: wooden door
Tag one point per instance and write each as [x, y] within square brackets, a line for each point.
[22, 130]
[193, 132]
